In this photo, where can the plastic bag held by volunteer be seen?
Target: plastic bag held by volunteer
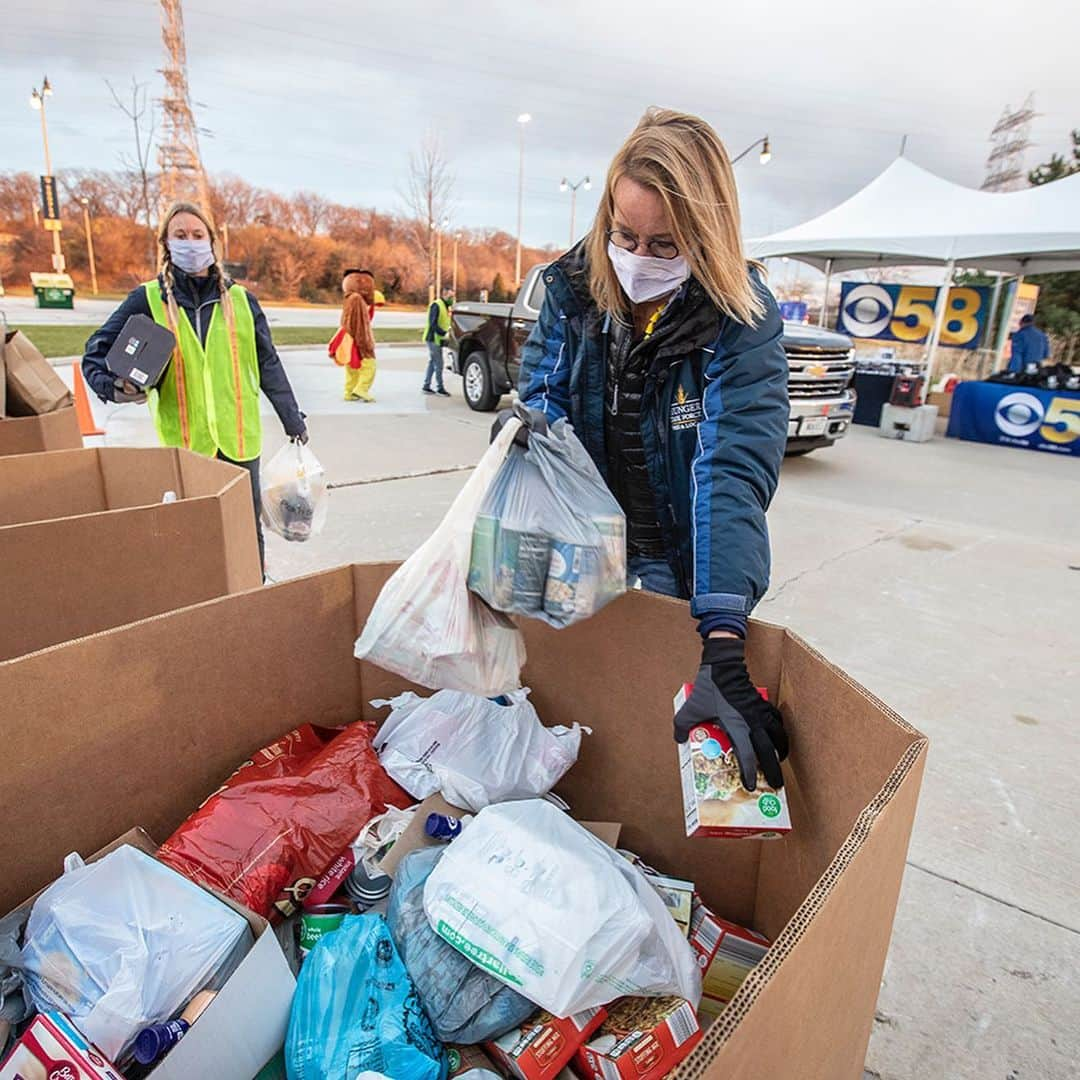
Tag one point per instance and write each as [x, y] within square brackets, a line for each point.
[550, 539]
[356, 1011]
[294, 495]
[426, 625]
[532, 897]
[464, 1003]
[473, 750]
[124, 942]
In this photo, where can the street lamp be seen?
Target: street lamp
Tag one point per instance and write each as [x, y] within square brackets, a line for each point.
[457, 239]
[37, 102]
[89, 243]
[439, 230]
[764, 157]
[522, 120]
[585, 183]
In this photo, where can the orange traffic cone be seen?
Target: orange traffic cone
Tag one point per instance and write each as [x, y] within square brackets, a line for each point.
[83, 411]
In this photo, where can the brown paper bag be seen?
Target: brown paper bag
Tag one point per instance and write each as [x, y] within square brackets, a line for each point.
[33, 388]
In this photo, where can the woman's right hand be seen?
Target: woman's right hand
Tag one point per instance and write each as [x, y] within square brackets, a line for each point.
[124, 391]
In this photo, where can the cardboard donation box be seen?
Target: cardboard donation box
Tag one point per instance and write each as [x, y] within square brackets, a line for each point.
[139, 724]
[35, 434]
[86, 542]
[36, 413]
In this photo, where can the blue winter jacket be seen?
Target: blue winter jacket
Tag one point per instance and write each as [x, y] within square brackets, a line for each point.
[714, 420]
[1029, 346]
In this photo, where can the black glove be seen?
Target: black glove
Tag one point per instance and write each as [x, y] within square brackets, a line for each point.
[531, 420]
[124, 391]
[723, 694]
[302, 438]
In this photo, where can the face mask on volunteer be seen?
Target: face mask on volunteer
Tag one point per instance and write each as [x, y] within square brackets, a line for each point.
[645, 277]
[191, 256]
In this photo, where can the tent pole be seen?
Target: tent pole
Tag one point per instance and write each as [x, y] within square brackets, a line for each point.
[825, 295]
[1007, 318]
[939, 321]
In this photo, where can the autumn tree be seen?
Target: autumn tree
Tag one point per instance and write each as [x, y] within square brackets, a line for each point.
[428, 198]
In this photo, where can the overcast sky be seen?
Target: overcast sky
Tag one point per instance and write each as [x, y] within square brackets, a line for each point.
[332, 96]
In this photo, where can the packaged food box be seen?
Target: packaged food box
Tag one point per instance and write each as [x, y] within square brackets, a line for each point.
[544, 1045]
[52, 1047]
[470, 1063]
[641, 1039]
[678, 896]
[714, 800]
[726, 953]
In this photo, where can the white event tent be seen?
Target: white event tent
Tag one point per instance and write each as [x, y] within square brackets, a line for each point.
[907, 216]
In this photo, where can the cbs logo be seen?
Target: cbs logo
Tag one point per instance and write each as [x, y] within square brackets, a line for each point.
[1019, 414]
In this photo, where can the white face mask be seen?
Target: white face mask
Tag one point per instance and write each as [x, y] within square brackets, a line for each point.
[191, 255]
[645, 277]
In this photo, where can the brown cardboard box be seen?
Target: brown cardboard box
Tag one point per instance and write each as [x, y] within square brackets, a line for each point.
[138, 724]
[33, 388]
[942, 399]
[86, 543]
[33, 434]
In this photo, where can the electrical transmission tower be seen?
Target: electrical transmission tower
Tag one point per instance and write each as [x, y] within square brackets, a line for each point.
[1009, 142]
[182, 173]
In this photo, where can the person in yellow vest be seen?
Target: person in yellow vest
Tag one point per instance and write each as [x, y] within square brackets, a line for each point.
[435, 335]
[208, 399]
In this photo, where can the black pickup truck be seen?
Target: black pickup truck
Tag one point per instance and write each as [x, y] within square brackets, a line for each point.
[486, 342]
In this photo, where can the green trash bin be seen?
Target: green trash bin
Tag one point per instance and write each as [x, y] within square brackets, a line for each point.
[53, 290]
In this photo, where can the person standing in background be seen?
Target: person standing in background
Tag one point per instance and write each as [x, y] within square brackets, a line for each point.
[438, 329]
[1029, 345]
[208, 398]
[359, 289]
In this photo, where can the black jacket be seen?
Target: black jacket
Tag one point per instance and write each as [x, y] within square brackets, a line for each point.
[197, 296]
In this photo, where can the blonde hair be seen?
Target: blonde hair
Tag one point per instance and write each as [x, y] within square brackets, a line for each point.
[681, 158]
[165, 268]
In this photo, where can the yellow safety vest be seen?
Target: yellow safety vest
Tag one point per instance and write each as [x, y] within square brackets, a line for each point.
[209, 398]
[442, 321]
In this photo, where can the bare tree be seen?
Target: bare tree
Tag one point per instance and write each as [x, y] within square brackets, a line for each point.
[144, 143]
[428, 197]
[311, 211]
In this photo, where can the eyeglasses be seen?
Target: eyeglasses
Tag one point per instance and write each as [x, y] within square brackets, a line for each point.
[661, 249]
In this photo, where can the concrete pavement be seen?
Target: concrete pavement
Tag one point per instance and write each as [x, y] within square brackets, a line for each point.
[939, 575]
[21, 311]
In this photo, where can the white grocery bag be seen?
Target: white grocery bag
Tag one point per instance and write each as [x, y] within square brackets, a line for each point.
[529, 895]
[294, 493]
[426, 625]
[473, 750]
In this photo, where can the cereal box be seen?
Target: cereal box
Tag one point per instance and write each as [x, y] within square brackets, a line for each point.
[714, 800]
[726, 954]
[641, 1039]
[52, 1048]
[542, 1047]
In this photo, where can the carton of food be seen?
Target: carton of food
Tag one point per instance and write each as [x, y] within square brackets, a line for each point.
[52, 1048]
[714, 800]
[678, 896]
[726, 954]
[641, 1039]
[544, 1045]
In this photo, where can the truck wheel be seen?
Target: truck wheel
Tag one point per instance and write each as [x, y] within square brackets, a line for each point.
[480, 394]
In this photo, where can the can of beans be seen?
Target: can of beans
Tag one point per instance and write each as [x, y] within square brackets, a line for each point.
[317, 921]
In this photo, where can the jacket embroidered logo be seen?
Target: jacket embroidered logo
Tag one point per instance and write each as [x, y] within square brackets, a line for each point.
[685, 411]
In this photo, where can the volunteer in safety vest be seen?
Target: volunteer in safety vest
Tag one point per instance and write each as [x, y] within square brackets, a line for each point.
[208, 400]
[438, 329]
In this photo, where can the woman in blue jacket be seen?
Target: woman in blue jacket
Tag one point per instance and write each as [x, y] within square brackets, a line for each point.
[661, 344]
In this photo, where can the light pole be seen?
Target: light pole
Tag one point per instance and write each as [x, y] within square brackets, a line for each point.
[522, 120]
[439, 230]
[37, 101]
[764, 157]
[585, 183]
[89, 243]
[457, 239]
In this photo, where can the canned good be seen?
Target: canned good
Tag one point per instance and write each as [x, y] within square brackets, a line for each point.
[317, 921]
[366, 889]
[443, 826]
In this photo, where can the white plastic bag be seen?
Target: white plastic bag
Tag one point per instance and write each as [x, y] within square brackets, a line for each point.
[426, 625]
[124, 942]
[473, 750]
[294, 497]
[550, 539]
[529, 895]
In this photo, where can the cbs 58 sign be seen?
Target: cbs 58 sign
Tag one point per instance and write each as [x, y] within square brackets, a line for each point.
[1022, 416]
[906, 313]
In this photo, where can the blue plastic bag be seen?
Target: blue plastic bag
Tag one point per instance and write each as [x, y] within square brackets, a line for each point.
[465, 1004]
[356, 1010]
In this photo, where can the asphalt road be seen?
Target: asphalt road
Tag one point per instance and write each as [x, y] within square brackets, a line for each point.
[943, 577]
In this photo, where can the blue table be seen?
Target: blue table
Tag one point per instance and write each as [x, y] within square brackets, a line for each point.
[1017, 416]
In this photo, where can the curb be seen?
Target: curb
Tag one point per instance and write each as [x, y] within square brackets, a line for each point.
[64, 361]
